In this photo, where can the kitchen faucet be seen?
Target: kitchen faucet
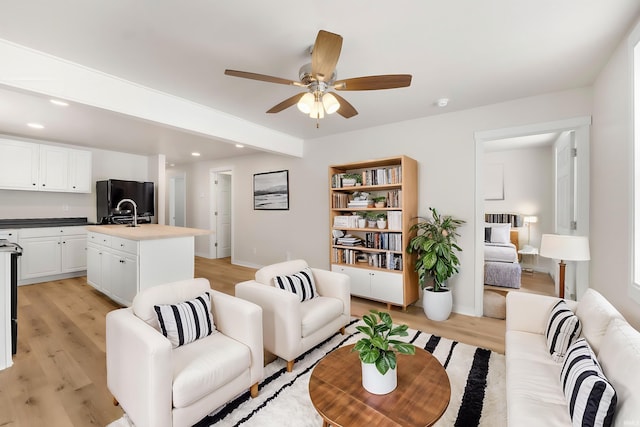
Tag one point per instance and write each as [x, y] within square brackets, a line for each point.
[135, 210]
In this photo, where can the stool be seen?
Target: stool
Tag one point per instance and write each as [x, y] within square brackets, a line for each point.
[494, 305]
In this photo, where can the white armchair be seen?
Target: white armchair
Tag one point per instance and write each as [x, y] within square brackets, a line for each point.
[161, 386]
[292, 327]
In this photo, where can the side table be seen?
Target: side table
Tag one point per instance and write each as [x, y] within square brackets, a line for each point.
[532, 252]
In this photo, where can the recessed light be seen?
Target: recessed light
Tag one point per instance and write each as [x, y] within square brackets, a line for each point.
[59, 103]
[239, 145]
[442, 102]
[195, 154]
[35, 125]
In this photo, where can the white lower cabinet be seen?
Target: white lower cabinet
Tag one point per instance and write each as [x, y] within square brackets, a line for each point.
[374, 284]
[52, 252]
[112, 267]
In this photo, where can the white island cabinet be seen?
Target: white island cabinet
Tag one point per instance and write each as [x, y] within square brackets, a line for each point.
[122, 260]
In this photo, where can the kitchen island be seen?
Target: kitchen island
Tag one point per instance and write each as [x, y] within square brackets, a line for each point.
[124, 260]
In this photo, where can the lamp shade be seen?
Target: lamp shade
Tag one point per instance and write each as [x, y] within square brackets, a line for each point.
[331, 104]
[305, 103]
[530, 219]
[566, 248]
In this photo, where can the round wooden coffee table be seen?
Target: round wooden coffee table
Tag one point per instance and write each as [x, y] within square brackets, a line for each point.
[420, 399]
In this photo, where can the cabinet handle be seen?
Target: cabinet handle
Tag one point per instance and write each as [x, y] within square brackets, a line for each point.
[44, 185]
[74, 186]
[122, 245]
[33, 183]
[58, 242]
[64, 243]
[122, 261]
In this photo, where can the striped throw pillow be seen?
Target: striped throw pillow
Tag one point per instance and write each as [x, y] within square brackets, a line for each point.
[563, 328]
[590, 397]
[187, 321]
[300, 283]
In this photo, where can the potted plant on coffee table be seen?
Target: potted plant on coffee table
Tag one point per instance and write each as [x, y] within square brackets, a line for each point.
[435, 246]
[377, 351]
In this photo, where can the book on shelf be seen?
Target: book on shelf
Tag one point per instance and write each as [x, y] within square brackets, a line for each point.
[387, 260]
[388, 241]
[345, 221]
[394, 220]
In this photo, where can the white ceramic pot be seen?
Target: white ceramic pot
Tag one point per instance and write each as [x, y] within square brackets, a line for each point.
[437, 305]
[362, 223]
[376, 383]
[382, 224]
[371, 223]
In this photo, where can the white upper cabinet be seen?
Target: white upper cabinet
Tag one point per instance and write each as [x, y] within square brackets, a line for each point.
[19, 165]
[54, 168]
[80, 171]
[29, 166]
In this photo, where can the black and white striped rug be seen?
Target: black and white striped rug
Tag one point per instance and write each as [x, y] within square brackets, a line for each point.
[477, 378]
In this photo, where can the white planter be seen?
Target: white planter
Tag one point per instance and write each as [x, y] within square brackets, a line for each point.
[437, 305]
[376, 383]
[382, 224]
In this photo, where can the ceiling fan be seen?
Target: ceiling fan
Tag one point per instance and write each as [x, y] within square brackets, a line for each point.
[319, 79]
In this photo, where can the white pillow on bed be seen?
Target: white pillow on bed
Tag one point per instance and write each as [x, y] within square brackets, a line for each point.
[500, 233]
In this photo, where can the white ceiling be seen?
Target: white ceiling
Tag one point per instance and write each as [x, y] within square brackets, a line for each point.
[473, 52]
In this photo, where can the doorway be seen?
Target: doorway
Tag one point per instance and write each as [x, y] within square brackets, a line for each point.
[178, 200]
[580, 134]
[221, 215]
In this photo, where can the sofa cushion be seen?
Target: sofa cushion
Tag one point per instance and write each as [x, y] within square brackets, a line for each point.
[300, 283]
[317, 312]
[590, 397]
[187, 321]
[563, 328]
[619, 358]
[533, 383]
[206, 365]
[595, 313]
[169, 293]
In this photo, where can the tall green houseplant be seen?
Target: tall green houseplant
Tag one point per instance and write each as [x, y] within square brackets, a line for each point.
[435, 246]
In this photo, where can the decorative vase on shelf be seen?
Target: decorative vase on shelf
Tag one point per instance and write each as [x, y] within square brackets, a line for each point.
[382, 224]
[371, 223]
[377, 383]
[379, 204]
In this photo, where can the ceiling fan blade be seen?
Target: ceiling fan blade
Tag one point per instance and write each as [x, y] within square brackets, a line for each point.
[389, 81]
[325, 54]
[286, 103]
[261, 77]
[346, 110]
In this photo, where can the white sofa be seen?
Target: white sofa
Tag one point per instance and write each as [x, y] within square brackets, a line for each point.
[534, 391]
[160, 386]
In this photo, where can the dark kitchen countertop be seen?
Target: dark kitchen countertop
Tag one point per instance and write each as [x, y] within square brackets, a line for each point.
[43, 222]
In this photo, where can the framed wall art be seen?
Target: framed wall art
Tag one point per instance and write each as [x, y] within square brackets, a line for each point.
[271, 191]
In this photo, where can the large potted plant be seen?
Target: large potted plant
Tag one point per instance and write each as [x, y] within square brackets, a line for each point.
[378, 350]
[435, 245]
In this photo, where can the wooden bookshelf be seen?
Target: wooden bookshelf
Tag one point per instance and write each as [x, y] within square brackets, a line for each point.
[379, 267]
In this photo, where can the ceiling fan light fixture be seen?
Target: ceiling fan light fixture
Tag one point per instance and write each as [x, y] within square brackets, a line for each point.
[330, 103]
[306, 103]
[317, 111]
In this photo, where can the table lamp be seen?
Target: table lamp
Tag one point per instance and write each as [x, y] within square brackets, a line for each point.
[564, 248]
[528, 220]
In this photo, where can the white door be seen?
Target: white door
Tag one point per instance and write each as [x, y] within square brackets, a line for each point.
[177, 205]
[223, 217]
[221, 214]
[565, 184]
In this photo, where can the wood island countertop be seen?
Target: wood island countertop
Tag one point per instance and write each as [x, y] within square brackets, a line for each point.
[146, 231]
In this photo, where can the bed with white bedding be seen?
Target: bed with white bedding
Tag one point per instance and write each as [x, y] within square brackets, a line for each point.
[501, 264]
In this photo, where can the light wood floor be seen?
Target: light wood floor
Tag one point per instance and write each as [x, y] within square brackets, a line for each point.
[59, 374]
